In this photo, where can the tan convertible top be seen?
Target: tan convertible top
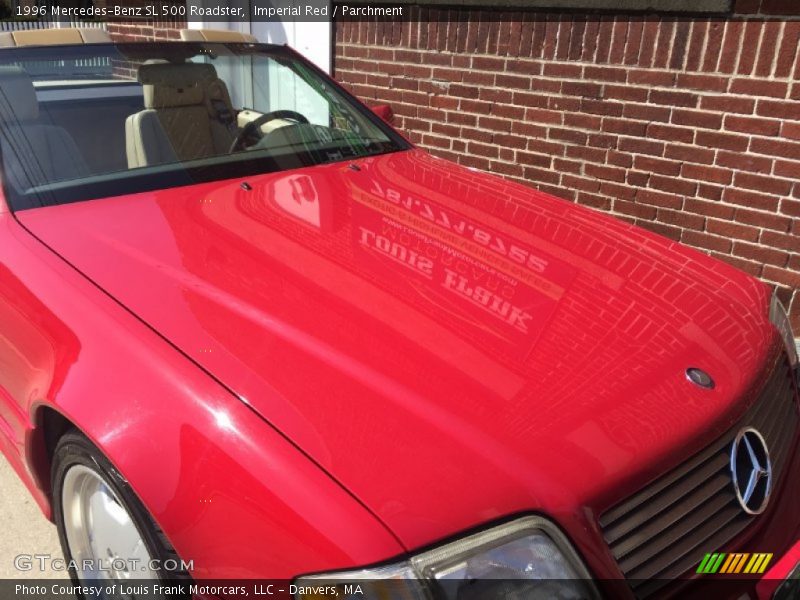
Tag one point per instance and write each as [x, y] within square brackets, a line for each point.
[217, 35]
[82, 35]
[52, 37]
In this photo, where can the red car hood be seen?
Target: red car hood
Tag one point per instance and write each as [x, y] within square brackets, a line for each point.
[451, 347]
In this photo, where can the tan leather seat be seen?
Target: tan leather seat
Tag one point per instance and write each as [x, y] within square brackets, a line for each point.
[188, 115]
[34, 153]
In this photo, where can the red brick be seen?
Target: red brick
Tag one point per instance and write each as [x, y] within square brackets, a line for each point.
[707, 241]
[750, 199]
[705, 83]
[709, 191]
[671, 134]
[620, 159]
[673, 185]
[747, 58]
[652, 78]
[775, 148]
[626, 92]
[605, 74]
[542, 175]
[768, 46]
[747, 266]
[565, 103]
[709, 209]
[759, 87]
[689, 154]
[679, 45]
[580, 183]
[731, 104]
[730, 46]
[624, 127]
[763, 219]
[615, 190]
[752, 125]
[551, 148]
[713, 46]
[509, 170]
[696, 118]
[791, 130]
[567, 135]
[646, 112]
[543, 116]
[488, 63]
[744, 162]
[634, 209]
[582, 88]
[791, 208]
[769, 185]
[784, 276]
[779, 240]
[506, 111]
[663, 43]
[657, 165]
[778, 109]
[605, 173]
[530, 99]
[761, 254]
[593, 200]
[641, 146]
[788, 49]
[726, 141]
[707, 174]
[592, 122]
[733, 230]
[671, 98]
[530, 158]
[694, 54]
[680, 218]
[595, 155]
[637, 178]
[668, 231]
[601, 107]
[562, 70]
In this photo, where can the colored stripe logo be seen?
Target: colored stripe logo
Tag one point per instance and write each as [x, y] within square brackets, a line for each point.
[737, 562]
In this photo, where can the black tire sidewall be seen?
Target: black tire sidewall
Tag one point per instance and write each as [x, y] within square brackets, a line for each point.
[74, 449]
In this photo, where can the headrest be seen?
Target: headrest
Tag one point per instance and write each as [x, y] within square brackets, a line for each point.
[172, 96]
[154, 73]
[17, 96]
[168, 85]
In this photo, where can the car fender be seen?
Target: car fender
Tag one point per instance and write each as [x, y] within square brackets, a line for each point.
[232, 494]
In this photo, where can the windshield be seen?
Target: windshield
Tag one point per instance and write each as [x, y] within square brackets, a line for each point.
[84, 122]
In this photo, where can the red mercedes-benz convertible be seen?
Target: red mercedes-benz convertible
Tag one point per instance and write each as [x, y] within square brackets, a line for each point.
[250, 332]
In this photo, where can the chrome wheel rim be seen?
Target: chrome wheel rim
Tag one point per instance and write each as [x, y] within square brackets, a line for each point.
[102, 537]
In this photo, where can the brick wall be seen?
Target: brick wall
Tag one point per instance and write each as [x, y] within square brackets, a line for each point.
[145, 31]
[688, 127]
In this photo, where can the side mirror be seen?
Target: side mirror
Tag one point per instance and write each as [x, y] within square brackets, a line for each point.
[384, 111]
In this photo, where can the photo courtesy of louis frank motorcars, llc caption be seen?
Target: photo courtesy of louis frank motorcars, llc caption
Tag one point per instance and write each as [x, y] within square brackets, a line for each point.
[255, 341]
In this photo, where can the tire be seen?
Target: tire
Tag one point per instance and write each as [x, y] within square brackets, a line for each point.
[86, 484]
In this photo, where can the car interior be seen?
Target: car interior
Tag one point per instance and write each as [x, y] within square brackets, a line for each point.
[103, 122]
[177, 112]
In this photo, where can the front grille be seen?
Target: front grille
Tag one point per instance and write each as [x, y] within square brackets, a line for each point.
[662, 531]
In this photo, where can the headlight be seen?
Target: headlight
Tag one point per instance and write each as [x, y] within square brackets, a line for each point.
[526, 559]
[779, 318]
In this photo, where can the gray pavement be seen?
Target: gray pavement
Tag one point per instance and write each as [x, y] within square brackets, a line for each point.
[23, 528]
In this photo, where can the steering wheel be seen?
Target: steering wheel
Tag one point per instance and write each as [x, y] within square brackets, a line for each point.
[255, 126]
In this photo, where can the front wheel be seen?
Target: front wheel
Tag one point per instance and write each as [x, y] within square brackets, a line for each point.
[106, 534]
